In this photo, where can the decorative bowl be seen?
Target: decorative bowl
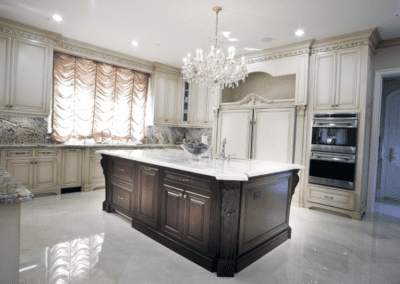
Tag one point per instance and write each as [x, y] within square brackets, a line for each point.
[195, 151]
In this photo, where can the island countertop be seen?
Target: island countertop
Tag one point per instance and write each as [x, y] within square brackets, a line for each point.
[235, 169]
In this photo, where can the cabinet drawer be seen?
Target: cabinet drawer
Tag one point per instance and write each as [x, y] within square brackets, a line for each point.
[121, 197]
[19, 153]
[333, 198]
[123, 170]
[46, 152]
[192, 181]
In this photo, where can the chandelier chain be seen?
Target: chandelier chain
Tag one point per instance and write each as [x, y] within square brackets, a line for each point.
[216, 30]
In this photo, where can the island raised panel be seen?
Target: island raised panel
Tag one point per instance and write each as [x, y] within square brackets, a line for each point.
[172, 211]
[147, 195]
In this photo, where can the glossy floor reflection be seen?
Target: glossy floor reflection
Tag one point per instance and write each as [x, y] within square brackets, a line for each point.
[69, 239]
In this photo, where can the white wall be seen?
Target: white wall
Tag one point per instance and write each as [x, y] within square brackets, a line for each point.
[263, 84]
[387, 58]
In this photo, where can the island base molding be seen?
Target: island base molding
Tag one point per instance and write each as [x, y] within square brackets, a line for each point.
[352, 214]
[221, 225]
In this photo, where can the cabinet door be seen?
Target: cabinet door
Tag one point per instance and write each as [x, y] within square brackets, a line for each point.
[348, 79]
[196, 220]
[172, 101]
[273, 138]
[22, 171]
[5, 45]
[324, 86]
[72, 168]
[147, 195]
[212, 102]
[160, 114]
[45, 173]
[235, 127]
[30, 89]
[199, 106]
[172, 210]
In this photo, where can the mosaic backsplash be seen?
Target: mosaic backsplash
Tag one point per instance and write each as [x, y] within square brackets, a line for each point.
[170, 135]
[22, 130]
[32, 130]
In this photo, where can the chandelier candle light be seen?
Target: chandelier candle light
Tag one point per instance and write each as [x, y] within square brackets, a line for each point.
[214, 68]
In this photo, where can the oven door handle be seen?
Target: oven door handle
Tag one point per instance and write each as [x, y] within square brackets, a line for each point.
[349, 160]
[332, 124]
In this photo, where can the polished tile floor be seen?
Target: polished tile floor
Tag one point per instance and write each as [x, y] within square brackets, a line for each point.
[69, 239]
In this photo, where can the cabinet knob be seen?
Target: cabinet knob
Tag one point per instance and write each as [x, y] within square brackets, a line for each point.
[184, 196]
[120, 198]
[31, 162]
[121, 170]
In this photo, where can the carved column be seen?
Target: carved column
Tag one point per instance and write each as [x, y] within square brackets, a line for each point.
[229, 228]
[300, 148]
[104, 164]
[294, 182]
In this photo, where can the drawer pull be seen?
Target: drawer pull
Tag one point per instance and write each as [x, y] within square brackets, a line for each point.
[121, 170]
[20, 153]
[72, 150]
[329, 197]
[46, 152]
[31, 162]
[185, 179]
[148, 169]
[120, 198]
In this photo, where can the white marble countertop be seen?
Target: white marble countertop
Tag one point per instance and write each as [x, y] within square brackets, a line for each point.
[49, 145]
[235, 169]
[11, 191]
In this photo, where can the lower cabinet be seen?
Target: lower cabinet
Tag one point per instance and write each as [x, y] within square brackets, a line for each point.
[38, 175]
[185, 215]
[72, 168]
[147, 195]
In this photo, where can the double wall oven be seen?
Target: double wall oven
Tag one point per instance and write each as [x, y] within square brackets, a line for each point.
[334, 150]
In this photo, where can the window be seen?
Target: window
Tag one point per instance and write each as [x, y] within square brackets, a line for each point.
[91, 97]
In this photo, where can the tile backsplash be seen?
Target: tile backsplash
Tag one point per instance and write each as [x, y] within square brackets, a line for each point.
[32, 130]
[22, 130]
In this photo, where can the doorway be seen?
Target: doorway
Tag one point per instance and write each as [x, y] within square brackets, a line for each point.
[388, 182]
[384, 168]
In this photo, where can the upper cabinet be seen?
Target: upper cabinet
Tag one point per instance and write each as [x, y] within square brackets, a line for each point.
[337, 80]
[167, 96]
[25, 77]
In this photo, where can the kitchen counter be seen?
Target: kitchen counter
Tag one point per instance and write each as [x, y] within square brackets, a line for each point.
[11, 196]
[222, 215]
[235, 169]
[11, 191]
[82, 146]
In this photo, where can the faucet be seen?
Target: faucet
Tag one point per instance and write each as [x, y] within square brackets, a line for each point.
[221, 155]
[102, 137]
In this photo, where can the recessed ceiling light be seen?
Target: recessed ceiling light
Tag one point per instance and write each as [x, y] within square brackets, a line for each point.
[57, 18]
[266, 39]
[226, 34]
[233, 39]
[299, 32]
[135, 43]
[251, 49]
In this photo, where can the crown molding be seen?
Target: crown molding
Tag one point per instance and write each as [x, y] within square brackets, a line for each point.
[369, 37]
[393, 42]
[16, 29]
[102, 54]
[289, 50]
[166, 69]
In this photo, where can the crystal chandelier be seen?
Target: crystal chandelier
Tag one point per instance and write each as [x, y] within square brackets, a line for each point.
[214, 68]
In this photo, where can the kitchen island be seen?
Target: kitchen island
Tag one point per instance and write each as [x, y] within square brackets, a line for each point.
[221, 214]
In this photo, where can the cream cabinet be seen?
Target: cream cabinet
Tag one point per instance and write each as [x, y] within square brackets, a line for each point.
[167, 96]
[37, 172]
[198, 102]
[262, 134]
[25, 77]
[72, 168]
[337, 78]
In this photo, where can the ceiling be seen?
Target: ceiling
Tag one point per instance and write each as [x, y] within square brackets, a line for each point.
[168, 29]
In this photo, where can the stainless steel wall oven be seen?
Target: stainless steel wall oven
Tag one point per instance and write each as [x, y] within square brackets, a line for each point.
[334, 150]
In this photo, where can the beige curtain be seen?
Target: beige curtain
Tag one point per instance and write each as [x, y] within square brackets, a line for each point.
[91, 97]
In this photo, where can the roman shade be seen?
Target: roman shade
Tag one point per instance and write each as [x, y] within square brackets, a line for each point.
[90, 97]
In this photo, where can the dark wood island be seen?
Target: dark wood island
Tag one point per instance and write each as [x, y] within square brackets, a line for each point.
[223, 215]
